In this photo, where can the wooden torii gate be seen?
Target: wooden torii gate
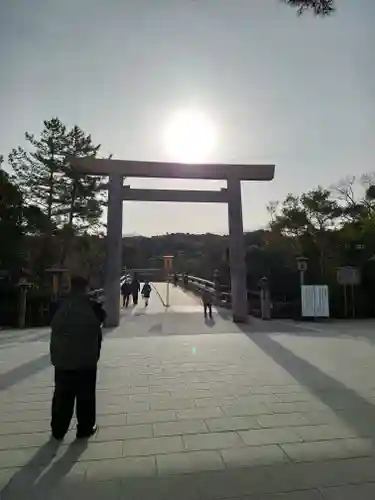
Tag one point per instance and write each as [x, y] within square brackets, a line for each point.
[117, 193]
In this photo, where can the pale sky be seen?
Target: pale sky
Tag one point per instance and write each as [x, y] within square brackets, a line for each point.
[297, 92]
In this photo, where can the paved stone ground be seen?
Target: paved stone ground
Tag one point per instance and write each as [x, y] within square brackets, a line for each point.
[195, 410]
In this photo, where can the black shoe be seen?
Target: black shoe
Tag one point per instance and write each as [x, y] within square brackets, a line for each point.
[87, 435]
[57, 437]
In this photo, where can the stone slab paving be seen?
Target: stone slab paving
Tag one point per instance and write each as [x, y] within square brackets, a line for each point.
[273, 411]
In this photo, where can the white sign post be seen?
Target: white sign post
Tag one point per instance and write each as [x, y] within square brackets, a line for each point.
[315, 301]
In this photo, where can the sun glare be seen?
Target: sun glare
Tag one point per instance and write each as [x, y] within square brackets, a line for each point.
[189, 136]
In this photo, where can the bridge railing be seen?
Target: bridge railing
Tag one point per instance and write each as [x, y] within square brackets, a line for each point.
[196, 284]
[223, 298]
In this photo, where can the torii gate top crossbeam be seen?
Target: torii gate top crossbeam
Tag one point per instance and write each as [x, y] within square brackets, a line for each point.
[96, 166]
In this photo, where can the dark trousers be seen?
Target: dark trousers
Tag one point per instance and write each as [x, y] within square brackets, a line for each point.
[207, 307]
[74, 386]
[125, 299]
[135, 298]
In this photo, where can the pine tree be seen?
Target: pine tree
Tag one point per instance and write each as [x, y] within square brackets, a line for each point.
[38, 175]
[81, 196]
[39, 172]
[71, 201]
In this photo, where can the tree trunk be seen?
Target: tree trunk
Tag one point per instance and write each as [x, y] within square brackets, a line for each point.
[47, 237]
[68, 236]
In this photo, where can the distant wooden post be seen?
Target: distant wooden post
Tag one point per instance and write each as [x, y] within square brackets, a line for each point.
[56, 279]
[22, 304]
[168, 263]
[265, 299]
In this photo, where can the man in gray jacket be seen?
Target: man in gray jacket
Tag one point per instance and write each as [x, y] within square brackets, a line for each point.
[76, 339]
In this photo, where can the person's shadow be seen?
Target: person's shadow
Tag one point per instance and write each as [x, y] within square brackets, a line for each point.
[210, 322]
[38, 477]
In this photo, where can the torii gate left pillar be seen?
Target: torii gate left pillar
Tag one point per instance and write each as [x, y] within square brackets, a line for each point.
[114, 250]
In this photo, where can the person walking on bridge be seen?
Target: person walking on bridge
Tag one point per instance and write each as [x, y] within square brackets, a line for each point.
[146, 292]
[125, 292]
[135, 287]
[207, 302]
[75, 345]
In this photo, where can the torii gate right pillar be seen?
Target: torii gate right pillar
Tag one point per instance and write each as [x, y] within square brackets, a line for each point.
[237, 255]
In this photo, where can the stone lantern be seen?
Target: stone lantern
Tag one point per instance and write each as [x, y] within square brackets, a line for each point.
[23, 285]
[302, 264]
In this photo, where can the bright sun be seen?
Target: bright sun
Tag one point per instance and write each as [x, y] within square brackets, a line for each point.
[189, 136]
